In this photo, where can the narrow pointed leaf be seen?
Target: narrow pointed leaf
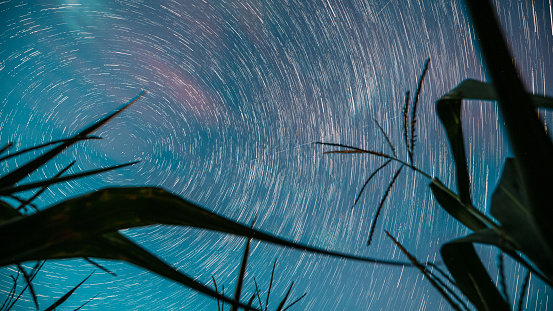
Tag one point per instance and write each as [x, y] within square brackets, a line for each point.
[37, 269]
[251, 300]
[375, 219]
[11, 294]
[242, 273]
[6, 147]
[525, 284]
[217, 291]
[270, 285]
[99, 266]
[281, 305]
[471, 276]
[86, 302]
[15, 176]
[368, 180]
[294, 302]
[29, 279]
[387, 138]
[43, 188]
[424, 271]
[56, 180]
[67, 295]
[11, 155]
[113, 209]
[501, 272]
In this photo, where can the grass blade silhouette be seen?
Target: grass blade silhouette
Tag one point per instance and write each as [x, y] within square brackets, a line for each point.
[15, 176]
[424, 271]
[45, 183]
[9, 156]
[11, 293]
[387, 138]
[86, 302]
[294, 302]
[368, 180]
[242, 271]
[6, 147]
[67, 295]
[375, 219]
[43, 188]
[281, 305]
[270, 286]
[28, 279]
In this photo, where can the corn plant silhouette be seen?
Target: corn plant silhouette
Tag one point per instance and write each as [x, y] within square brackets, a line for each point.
[520, 203]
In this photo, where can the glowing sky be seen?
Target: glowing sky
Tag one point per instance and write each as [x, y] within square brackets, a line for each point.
[238, 92]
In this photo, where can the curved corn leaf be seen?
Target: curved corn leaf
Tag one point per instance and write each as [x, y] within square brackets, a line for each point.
[499, 239]
[15, 176]
[449, 112]
[471, 277]
[476, 221]
[450, 202]
[87, 227]
[113, 209]
[510, 206]
[474, 89]
[117, 247]
[532, 147]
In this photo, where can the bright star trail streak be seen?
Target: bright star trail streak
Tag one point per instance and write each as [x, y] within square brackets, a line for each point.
[238, 91]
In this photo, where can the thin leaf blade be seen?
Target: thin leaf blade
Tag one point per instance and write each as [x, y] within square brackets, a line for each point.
[15, 176]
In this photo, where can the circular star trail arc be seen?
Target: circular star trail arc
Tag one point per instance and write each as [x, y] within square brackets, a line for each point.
[237, 94]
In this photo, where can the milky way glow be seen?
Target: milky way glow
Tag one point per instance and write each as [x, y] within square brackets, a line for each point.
[238, 91]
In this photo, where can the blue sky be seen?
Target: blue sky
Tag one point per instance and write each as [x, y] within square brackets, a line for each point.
[238, 92]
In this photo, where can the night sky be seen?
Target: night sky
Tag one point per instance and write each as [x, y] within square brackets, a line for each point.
[238, 91]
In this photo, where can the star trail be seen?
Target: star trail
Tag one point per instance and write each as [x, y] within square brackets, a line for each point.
[238, 92]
